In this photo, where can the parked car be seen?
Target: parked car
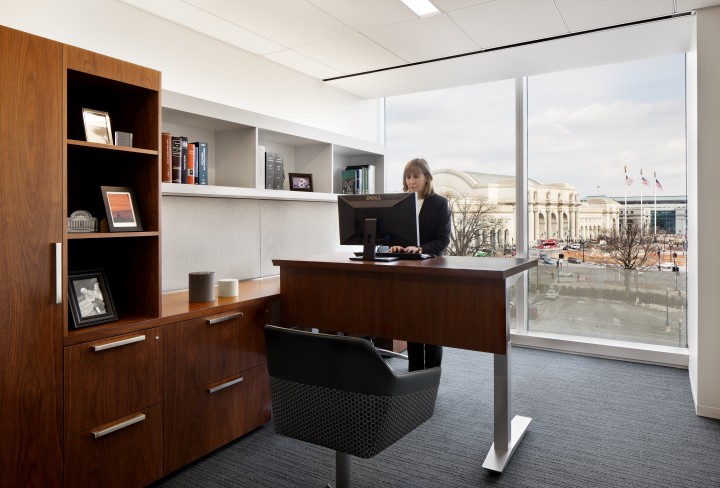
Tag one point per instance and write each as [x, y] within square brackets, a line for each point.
[574, 261]
[552, 294]
[549, 260]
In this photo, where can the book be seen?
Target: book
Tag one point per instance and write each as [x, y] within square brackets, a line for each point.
[366, 177]
[176, 159]
[166, 157]
[269, 170]
[184, 160]
[349, 181]
[279, 172]
[201, 167]
[192, 158]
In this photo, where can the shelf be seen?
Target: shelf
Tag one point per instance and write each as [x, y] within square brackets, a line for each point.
[109, 235]
[175, 189]
[110, 147]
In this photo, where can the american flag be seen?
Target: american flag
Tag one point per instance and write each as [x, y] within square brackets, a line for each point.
[657, 184]
[645, 181]
[628, 180]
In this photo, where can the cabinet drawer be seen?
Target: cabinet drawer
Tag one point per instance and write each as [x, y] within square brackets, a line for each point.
[208, 349]
[124, 452]
[107, 379]
[200, 421]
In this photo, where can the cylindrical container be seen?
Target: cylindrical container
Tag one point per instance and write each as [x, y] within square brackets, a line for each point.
[202, 286]
[228, 287]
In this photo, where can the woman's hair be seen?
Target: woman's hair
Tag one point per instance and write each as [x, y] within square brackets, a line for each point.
[419, 166]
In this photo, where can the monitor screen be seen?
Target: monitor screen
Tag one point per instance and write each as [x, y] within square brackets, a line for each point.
[378, 219]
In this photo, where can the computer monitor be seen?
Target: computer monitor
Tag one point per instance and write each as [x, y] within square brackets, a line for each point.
[378, 219]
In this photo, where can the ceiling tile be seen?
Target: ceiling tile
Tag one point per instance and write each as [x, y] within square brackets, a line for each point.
[287, 22]
[206, 23]
[581, 15]
[303, 64]
[505, 22]
[366, 14]
[448, 5]
[687, 5]
[430, 37]
[351, 54]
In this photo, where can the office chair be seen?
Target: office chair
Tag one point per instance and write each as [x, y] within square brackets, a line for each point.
[337, 392]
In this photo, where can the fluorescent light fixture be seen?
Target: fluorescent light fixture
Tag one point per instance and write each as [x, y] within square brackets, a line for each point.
[421, 7]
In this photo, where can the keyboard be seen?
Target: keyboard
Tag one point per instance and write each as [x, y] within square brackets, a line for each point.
[399, 255]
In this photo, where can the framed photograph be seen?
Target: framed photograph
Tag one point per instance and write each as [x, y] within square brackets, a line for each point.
[121, 209]
[97, 126]
[90, 299]
[301, 182]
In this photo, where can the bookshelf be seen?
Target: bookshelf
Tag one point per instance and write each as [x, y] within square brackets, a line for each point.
[131, 260]
[236, 139]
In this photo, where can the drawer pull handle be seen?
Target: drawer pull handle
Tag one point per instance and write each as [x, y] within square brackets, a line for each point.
[58, 273]
[223, 319]
[225, 385]
[118, 426]
[123, 342]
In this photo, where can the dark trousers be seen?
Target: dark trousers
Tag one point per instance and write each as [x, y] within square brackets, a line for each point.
[423, 356]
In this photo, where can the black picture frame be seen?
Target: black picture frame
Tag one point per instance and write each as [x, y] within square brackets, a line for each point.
[121, 209]
[301, 182]
[89, 298]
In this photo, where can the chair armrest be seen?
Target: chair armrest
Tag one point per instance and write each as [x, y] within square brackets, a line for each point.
[417, 380]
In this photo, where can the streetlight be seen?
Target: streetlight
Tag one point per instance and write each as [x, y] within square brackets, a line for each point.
[582, 243]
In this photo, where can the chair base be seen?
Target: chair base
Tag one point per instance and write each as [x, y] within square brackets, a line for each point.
[390, 354]
[342, 470]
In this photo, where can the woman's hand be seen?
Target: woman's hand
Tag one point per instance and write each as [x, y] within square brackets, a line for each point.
[409, 249]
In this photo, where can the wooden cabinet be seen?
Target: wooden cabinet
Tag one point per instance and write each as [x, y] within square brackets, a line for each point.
[107, 379]
[122, 453]
[31, 240]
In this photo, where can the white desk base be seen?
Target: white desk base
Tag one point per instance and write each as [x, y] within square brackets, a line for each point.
[497, 459]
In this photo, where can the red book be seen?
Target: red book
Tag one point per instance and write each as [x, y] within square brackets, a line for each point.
[166, 150]
[191, 164]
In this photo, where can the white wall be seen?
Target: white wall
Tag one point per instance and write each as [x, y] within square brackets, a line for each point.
[703, 224]
[228, 75]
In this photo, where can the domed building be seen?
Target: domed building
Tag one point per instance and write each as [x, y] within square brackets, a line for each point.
[555, 210]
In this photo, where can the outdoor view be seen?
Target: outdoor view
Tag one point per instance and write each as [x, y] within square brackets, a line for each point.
[606, 190]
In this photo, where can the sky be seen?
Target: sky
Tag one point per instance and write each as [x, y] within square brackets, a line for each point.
[585, 126]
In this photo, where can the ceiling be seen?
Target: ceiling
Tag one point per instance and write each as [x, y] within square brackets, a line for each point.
[346, 42]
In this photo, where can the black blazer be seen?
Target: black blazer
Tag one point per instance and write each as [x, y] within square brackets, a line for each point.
[434, 223]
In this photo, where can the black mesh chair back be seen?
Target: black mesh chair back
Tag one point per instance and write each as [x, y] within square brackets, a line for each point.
[338, 392]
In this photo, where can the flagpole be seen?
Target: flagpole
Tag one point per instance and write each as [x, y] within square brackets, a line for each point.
[641, 203]
[625, 185]
[655, 198]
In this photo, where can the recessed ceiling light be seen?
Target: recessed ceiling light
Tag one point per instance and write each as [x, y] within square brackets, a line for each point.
[421, 7]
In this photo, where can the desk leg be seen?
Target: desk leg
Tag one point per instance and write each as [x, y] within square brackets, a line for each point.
[507, 433]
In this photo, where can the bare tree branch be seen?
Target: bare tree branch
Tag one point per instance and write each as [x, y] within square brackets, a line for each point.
[473, 223]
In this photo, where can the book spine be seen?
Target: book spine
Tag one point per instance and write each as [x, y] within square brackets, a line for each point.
[279, 172]
[184, 165]
[269, 170]
[176, 160]
[166, 157]
[201, 168]
[192, 162]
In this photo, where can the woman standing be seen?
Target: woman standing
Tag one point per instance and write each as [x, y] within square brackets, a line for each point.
[434, 227]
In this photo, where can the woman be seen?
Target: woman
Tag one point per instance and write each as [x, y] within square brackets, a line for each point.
[434, 226]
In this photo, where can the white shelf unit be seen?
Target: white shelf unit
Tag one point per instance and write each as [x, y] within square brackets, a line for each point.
[237, 140]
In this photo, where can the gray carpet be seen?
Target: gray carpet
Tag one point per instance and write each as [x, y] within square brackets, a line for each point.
[596, 423]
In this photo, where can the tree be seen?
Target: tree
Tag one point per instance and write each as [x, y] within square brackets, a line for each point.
[630, 248]
[473, 222]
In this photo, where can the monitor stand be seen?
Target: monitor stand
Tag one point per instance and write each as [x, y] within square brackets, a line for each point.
[370, 244]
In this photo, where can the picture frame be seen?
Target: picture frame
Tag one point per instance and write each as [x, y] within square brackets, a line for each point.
[97, 126]
[89, 298]
[121, 209]
[301, 182]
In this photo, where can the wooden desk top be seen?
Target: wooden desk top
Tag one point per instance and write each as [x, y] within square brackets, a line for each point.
[493, 268]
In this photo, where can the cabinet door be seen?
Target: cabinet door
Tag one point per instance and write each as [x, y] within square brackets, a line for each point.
[203, 350]
[203, 420]
[124, 452]
[31, 221]
[110, 378]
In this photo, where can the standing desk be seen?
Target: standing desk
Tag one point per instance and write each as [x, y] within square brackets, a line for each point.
[450, 301]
